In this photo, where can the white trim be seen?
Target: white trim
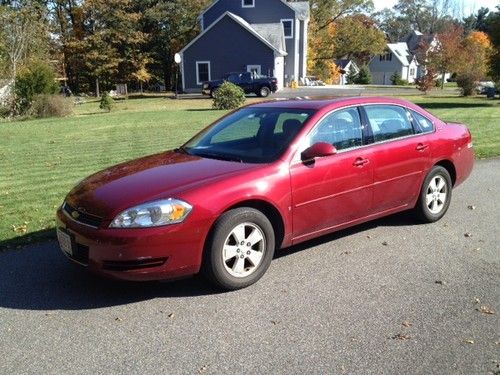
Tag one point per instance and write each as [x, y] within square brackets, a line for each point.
[292, 25]
[242, 23]
[305, 47]
[256, 67]
[247, 6]
[296, 56]
[198, 82]
[181, 66]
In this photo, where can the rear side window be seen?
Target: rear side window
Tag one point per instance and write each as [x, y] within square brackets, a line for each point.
[342, 129]
[423, 124]
[388, 122]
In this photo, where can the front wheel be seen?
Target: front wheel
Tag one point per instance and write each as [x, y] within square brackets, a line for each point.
[435, 196]
[240, 249]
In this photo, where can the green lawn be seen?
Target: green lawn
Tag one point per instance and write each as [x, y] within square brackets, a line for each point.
[40, 160]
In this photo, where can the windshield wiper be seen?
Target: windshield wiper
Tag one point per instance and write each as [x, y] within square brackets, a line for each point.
[209, 155]
[182, 150]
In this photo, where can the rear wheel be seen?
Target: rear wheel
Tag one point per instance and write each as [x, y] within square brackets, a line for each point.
[435, 196]
[264, 92]
[240, 249]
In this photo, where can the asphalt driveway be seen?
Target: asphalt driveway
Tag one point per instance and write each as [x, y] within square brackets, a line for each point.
[389, 297]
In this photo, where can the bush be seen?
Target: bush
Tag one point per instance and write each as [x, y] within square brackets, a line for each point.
[228, 96]
[364, 76]
[427, 82]
[51, 106]
[397, 80]
[467, 83]
[37, 79]
[107, 102]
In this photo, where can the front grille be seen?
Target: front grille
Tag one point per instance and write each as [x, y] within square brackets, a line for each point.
[82, 217]
[80, 254]
[133, 264]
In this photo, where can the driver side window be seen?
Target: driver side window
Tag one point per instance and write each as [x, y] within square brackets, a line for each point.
[342, 129]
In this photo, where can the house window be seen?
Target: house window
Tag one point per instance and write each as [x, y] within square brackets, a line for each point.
[248, 3]
[288, 28]
[386, 57]
[412, 72]
[202, 72]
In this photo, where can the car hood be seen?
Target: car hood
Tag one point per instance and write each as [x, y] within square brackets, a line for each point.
[164, 175]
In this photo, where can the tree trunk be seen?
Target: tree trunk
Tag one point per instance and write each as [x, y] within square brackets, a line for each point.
[97, 91]
[442, 79]
[140, 85]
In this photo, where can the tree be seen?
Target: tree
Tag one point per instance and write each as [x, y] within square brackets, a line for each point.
[494, 33]
[478, 21]
[23, 36]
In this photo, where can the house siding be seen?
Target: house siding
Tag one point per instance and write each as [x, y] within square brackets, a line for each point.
[383, 70]
[221, 45]
[265, 11]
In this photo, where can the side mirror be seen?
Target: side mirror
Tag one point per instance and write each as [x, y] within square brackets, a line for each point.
[318, 150]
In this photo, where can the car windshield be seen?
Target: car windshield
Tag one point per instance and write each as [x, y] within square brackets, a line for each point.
[250, 135]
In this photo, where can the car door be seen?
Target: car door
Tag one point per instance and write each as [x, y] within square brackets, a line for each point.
[400, 156]
[337, 189]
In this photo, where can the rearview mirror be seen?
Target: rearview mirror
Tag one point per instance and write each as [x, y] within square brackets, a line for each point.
[318, 150]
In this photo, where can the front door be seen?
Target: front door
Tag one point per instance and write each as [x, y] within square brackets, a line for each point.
[337, 189]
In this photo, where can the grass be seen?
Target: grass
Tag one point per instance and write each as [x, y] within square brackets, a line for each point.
[40, 160]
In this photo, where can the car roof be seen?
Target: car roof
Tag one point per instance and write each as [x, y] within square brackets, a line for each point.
[331, 102]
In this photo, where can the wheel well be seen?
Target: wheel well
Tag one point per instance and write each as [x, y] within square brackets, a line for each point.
[448, 165]
[271, 213]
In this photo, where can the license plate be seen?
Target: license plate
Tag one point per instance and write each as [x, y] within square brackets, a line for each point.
[65, 242]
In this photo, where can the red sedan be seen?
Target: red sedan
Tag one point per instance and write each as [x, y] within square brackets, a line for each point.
[264, 177]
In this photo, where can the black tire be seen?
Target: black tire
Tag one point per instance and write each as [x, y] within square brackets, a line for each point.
[264, 92]
[217, 269]
[423, 210]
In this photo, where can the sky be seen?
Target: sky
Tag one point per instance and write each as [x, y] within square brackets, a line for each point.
[468, 6]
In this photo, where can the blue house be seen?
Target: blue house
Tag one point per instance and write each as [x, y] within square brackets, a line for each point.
[268, 37]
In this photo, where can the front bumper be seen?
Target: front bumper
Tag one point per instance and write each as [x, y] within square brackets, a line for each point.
[136, 254]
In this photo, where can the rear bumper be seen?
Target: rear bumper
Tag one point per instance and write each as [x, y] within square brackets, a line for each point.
[136, 254]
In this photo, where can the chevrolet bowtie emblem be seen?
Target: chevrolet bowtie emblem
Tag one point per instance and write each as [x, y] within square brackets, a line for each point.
[75, 215]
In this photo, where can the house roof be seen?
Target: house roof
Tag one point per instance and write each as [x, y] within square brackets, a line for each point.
[415, 38]
[344, 63]
[274, 44]
[299, 8]
[273, 33]
[402, 53]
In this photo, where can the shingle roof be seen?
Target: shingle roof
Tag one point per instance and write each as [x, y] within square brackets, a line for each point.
[301, 8]
[273, 33]
[401, 51]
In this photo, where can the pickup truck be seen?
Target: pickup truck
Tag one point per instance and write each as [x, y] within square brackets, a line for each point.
[250, 83]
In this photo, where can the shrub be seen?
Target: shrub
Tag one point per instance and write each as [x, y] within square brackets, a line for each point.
[396, 80]
[228, 96]
[107, 102]
[36, 79]
[51, 106]
[427, 82]
[364, 76]
[467, 83]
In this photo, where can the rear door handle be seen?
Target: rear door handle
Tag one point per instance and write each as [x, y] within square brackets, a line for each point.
[422, 147]
[360, 162]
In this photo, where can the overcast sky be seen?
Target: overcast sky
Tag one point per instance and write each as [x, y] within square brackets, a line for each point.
[468, 6]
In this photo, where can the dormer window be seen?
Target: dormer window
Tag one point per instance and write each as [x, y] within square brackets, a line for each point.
[288, 28]
[248, 3]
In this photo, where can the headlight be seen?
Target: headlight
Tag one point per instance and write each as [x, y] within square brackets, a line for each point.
[153, 214]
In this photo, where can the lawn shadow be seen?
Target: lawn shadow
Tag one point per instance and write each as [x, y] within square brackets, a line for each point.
[451, 105]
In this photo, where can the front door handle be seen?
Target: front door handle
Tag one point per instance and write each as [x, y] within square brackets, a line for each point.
[422, 147]
[361, 162]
